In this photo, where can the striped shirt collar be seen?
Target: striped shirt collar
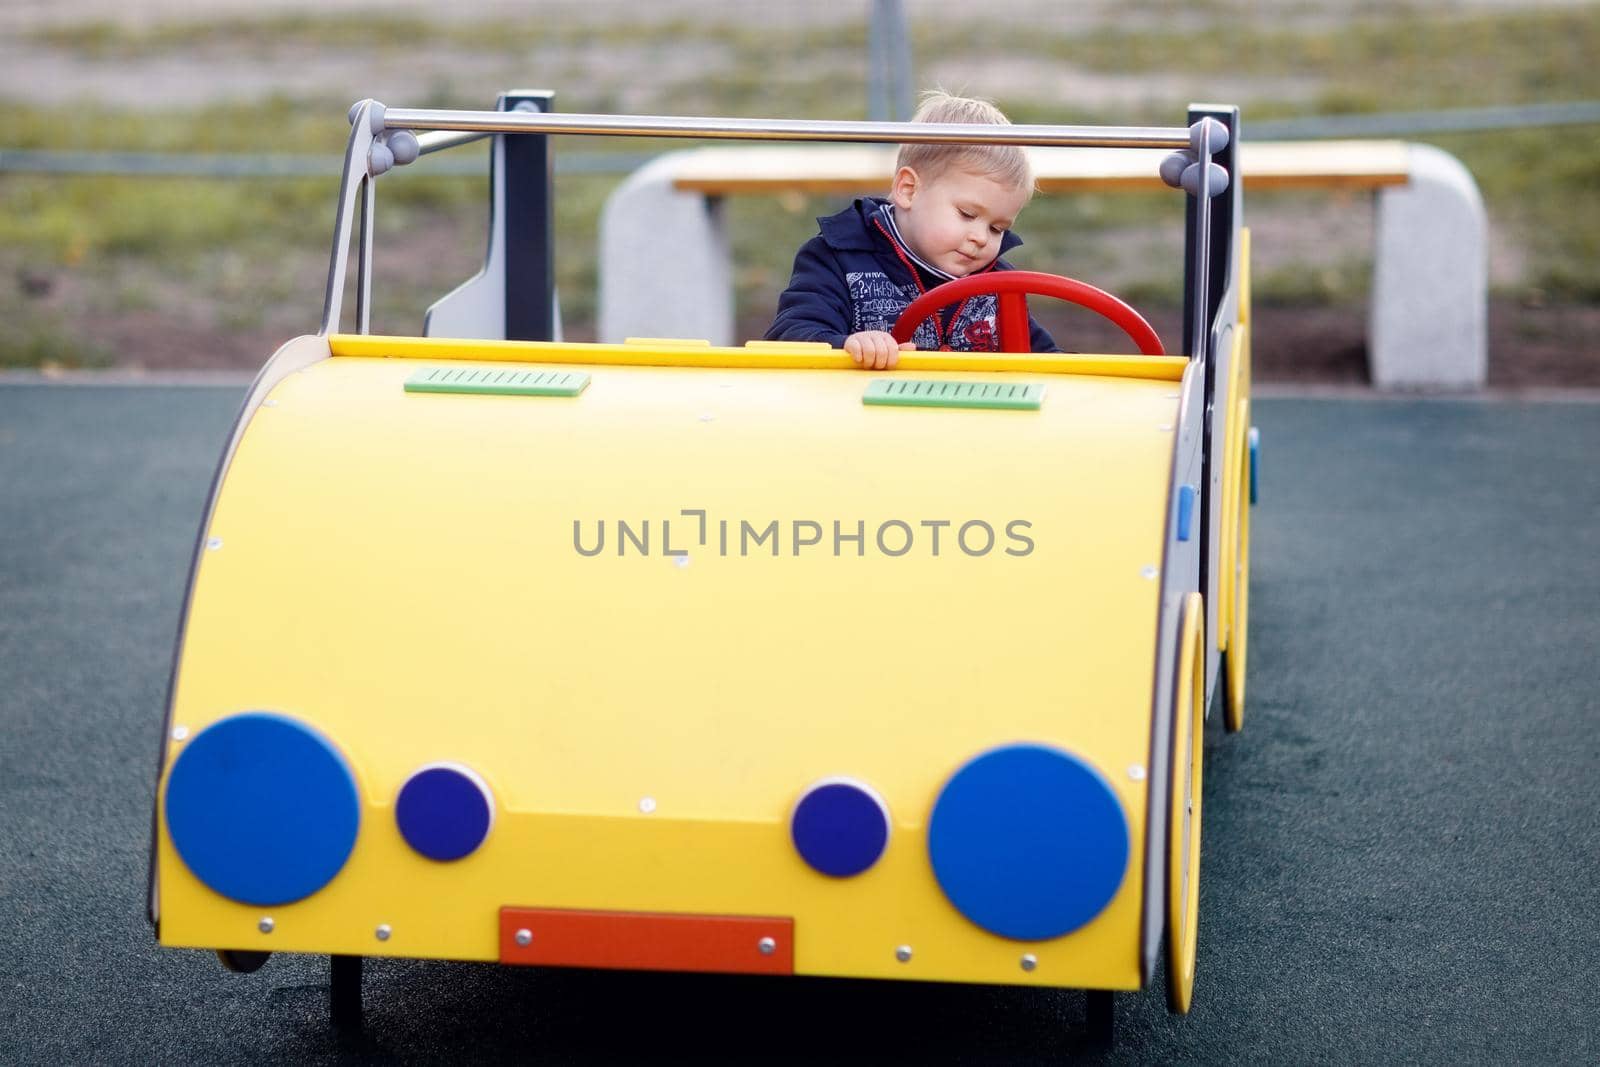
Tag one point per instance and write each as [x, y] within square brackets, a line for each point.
[886, 213]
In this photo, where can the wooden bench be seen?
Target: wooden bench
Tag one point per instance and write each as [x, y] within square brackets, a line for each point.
[665, 265]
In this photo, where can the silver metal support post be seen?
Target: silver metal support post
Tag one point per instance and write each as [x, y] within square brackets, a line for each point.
[438, 141]
[1201, 329]
[369, 197]
[355, 174]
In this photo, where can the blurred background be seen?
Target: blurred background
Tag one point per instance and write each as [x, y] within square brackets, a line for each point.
[168, 167]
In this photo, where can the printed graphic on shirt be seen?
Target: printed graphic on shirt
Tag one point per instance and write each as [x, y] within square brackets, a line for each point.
[876, 302]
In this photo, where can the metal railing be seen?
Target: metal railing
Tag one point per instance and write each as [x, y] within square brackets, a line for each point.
[487, 122]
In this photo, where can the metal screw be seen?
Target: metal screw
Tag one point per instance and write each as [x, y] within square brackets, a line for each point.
[1147, 572]
[269, 403]
[680, 561]
[647, 804]
[1136, 772]
[903, 953]
[383, 932]
[524, 937]
[180, 732]
[1029, 961]
[767, 946]
[214, 543]
[1165, 427]
[265, 925]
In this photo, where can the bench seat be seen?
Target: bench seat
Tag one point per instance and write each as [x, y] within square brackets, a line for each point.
[666, 271]
[850, 169]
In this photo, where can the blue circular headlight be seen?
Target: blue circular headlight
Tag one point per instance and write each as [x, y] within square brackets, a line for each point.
[1028, 841]
[444, 811]
[263, 809]
[840, 827]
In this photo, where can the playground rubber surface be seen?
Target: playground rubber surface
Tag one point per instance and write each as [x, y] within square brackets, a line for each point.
[1400, 850]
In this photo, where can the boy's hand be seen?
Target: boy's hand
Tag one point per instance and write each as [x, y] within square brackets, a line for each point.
[875, 349]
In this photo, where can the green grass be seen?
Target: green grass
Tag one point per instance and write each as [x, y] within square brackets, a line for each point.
[169, 220]
[106, 39]
[103, 39]
[275, 123]
[65, 223]
[1542, 186]
[48, 343]
[1406, 59]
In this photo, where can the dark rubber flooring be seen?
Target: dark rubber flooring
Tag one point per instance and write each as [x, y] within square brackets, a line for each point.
[1401, 849]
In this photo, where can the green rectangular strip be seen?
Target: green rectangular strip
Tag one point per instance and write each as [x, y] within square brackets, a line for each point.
[914, 393]
[497, 382]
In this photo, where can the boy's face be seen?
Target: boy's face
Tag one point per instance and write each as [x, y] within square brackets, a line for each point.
[955, 221]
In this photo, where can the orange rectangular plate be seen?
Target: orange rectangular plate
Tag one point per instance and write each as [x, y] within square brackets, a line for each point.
[641, 941]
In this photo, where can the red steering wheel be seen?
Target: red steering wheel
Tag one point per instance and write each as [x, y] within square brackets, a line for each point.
[1012, 287]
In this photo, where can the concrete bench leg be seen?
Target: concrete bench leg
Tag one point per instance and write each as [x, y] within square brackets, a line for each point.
[1429, 323]
[665, 267]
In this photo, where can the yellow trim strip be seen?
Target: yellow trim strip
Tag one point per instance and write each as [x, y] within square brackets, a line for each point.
[800, 357]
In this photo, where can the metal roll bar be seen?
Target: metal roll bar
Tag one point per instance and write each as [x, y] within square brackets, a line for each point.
[381, 137]
[486, 122]
[1201, 265]
[439, 140]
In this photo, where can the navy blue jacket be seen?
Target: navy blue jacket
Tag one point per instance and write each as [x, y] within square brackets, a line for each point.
[852, 277]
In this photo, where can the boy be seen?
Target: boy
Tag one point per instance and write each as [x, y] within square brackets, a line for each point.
[948, 214]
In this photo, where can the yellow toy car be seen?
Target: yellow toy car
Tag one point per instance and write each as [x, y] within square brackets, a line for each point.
[621, 655]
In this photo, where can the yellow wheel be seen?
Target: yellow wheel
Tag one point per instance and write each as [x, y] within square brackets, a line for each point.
[1183, 827]
[1235, 408]
[1228, 541]
[1234, 656]
[1233, 592]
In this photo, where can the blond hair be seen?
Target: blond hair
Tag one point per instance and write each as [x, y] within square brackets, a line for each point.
[1004, 162]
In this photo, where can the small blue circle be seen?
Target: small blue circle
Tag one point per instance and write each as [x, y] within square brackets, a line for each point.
[1028, 841]
[263, 809]
[840, 828]
[444, 812]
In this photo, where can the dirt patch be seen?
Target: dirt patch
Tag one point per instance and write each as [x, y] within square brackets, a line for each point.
[1557, 345]
[1529, 347]
[151, 340]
